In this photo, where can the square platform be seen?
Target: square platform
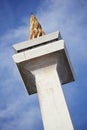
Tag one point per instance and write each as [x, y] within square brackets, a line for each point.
[42, 52]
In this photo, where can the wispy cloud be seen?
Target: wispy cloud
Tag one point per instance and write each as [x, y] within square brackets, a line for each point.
[69, 18]
[66, 16]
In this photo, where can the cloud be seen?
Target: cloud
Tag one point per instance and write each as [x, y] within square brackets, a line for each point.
[20, 115]
[68, 17]
[18, 110]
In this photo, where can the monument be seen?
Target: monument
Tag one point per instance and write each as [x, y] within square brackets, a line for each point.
[44, 65]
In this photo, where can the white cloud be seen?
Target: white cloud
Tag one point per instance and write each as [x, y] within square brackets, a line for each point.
[13, 35]
[53, 15]
[68, 17]
[15, 99]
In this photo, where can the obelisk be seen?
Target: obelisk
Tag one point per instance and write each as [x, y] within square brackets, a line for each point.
[44, 66]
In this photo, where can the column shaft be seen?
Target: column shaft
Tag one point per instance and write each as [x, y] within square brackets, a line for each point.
[54, 110]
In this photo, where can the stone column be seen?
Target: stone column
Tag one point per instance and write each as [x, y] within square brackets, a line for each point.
[53, 107]
[44, 66]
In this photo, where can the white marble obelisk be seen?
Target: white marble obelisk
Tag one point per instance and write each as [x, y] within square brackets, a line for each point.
[44, 66]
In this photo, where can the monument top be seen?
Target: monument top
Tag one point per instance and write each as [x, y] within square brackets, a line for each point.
[35, 28]
[42, 52]
[19, 47]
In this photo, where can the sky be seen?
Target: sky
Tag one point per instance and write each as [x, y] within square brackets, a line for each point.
[18, 110]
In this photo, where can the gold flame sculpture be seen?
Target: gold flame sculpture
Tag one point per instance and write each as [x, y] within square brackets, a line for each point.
[35, 28]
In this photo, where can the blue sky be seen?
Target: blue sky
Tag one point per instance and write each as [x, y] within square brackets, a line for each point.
[18, 110]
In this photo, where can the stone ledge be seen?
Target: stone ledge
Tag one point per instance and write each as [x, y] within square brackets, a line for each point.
[38, 51]
[39, 55]
[37, 41]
